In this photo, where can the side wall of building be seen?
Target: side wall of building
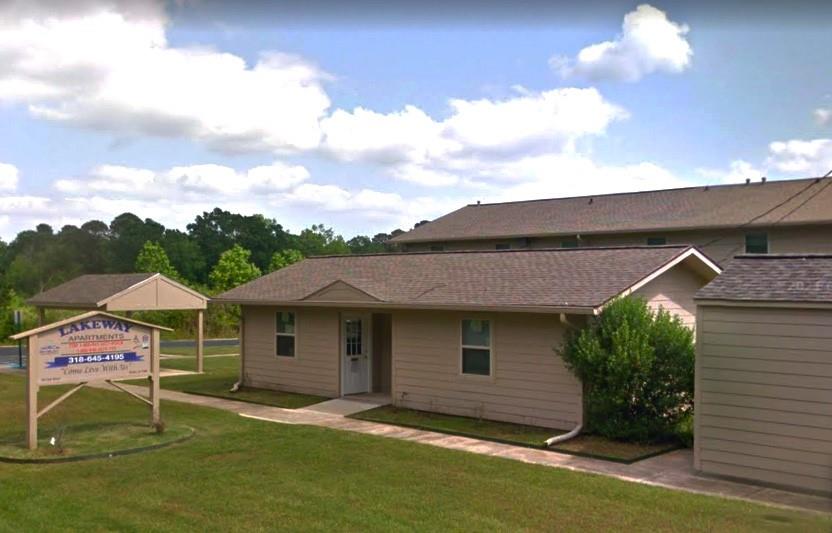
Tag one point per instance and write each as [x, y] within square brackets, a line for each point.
[764, 395]
[529, 383]
[315, 367]
[720, 245]
[673, 291]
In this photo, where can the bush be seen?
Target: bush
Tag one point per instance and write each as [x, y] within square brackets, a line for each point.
[637, 368]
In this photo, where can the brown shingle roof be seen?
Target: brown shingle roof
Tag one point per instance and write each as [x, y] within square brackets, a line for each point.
[801, 201]
[87, 290]
[774, 278]
[562, 278]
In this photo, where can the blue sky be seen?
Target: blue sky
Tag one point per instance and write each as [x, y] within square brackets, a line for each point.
[368, 121]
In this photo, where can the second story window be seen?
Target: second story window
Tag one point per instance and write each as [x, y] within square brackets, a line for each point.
[656, 241]
[756, 243]
[437, 248]
[569, 242]
[503, 246]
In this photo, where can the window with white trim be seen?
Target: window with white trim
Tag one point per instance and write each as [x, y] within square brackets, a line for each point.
[285, 334]
[476, 347]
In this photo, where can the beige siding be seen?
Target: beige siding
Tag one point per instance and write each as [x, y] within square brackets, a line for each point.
[156, 294]
[764, 395]
[720, 245]
[529, 384]
[673, 291]
[313, 370]
[340, 292]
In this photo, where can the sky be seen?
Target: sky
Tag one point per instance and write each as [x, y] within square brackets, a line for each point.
[375, 116]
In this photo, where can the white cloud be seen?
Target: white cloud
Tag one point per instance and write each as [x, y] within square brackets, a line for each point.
[9, 176]
[649, 42]
[823, 116]
[737, 172]
[808, 158]
[192, 181]
[414, 147]
[174, 196]
[109, 66]
[549, 176]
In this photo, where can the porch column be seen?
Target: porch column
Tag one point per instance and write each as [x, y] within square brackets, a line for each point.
[242, 337]
[41, 316]
[200, 341]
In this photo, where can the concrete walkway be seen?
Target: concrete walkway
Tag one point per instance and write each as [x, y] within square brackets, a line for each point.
[671, 470]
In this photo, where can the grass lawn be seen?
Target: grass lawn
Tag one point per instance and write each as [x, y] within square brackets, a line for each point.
[241, 474]
[220, 374]
[90, 439]
[511, 433]
[207, 350]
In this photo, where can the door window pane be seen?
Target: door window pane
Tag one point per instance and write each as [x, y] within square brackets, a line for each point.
[476, 361]
[352, 336]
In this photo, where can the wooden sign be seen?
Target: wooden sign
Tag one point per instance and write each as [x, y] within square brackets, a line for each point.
[95, 346]
[91, 349]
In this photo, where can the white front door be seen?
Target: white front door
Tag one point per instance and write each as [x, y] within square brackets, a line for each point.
[355, 354]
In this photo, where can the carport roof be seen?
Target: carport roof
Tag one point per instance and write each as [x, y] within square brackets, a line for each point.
[773, 278]
[579, 280]
[94, 291]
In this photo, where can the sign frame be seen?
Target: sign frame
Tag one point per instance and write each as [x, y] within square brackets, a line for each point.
[33, 367]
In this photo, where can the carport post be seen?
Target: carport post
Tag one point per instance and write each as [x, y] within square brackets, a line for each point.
[200, 341]
[32, 394]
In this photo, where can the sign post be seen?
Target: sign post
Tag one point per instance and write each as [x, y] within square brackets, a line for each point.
[95, 346]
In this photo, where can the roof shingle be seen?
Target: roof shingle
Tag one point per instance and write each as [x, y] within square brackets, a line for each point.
[773, 278]
[88, 290]
[756, 204]
[582, 277]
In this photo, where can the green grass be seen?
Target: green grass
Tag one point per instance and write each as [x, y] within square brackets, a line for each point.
[89, 439]
[220, 374]
[207, 350]
[532, 436]
[239, 474]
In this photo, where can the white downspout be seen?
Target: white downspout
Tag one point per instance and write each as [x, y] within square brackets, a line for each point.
[577, 430]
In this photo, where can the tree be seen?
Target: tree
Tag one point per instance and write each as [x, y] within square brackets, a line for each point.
[128, 234]
[220, 230]
[152, 258]
[233, 268]
[321, 240]
[637, 368]
[185, 256]
[285, 258]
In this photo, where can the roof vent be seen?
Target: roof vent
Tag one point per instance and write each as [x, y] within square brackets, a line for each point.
[478, 202]
[707, 188]
[747, 181]
[591, 200]
[763, 179]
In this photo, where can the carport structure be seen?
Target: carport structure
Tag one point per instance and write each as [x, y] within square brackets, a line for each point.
[126, 293]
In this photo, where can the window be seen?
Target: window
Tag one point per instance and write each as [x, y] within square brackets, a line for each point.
[569, 242]
[656, 241]
[756, 243]
[476, 347]
[285, 333]
[503, 246]
[437, 248]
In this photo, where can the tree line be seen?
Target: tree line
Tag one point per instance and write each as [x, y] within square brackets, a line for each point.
[217, 251]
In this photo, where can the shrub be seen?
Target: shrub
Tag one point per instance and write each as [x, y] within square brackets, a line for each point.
[637, 368]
